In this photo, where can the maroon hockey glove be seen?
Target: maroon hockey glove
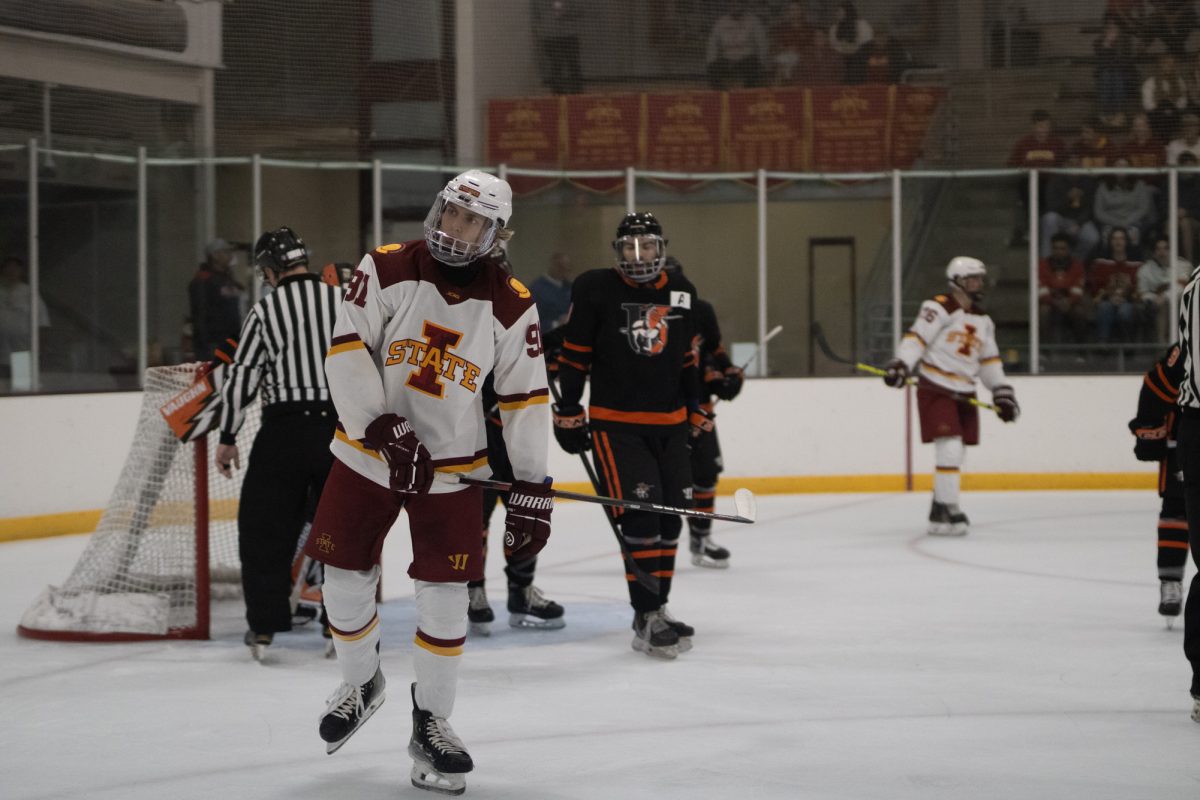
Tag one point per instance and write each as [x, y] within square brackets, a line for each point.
[410, 469]
[1005, 401]
[895, 373]
[701, 422]
[571, 428]
[527, 524]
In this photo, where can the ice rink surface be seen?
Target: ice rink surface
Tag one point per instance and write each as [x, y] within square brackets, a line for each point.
[843, 655]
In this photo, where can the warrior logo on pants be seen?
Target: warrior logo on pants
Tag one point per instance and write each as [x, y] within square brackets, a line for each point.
[648, 327]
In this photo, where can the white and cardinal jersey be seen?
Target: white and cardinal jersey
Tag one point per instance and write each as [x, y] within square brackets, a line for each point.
[949, 346]
[409, 342]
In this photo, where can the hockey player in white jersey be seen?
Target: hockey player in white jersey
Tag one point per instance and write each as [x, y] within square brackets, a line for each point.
[422, 324]
[951, 343]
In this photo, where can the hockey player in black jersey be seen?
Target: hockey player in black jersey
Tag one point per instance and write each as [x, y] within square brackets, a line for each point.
[632, 329]
[1156, 428]
[721, 380]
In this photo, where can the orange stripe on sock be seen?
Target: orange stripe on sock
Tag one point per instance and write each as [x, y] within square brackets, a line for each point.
[1176, 545]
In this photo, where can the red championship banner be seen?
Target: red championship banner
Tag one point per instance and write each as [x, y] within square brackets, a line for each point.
[683, 133]
[766, 130]
[912, 113]
[526, 132]
[850, 128]
[603, 132]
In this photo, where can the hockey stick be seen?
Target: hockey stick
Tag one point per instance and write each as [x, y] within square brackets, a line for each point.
[823, 343]
[743, 500]
[771, 334]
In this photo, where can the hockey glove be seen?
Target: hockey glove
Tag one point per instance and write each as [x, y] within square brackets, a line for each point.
[701, 422]
[895, 373]
[410, 469]
[1006, 403]
[729, 383]
[527, 523]
[1151, 444]
[571, 428]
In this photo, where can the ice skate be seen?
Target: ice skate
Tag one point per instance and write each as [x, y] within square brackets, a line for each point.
[1170, 601]
[1195, 708]
[348, 708]
[946, 520]
[479, 613]
[707, 553]
[654, 636]
[529, 608]
[439, 758]
[684, 631]
[258, 644]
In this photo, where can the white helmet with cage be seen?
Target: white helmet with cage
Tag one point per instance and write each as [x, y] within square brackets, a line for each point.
[485, 198]
[963, 267]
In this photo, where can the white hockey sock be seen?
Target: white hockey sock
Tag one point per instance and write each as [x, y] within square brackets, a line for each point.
[438, 645]
[948, 453]
[354, 621]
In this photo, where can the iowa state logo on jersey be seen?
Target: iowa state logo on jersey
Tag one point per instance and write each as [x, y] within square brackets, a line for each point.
[647, 327]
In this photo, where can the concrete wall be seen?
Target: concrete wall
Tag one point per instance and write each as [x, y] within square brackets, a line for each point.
[64, 453]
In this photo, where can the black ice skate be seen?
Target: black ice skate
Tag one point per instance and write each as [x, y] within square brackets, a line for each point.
[654, 636]
[479, 613]
[529, 608]
[1195, 708]
[348, 708]
[258, 644]
[1170, 601]
[707, 553]
[439, 758]
[684, 631]
[947, 520]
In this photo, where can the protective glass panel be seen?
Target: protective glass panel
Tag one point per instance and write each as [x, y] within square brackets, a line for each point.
[185, 295]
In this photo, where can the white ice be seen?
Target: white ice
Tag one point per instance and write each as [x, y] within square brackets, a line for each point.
[843, 655]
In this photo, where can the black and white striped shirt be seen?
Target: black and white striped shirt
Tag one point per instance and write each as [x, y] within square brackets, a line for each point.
[282, 347]
[1189, 340]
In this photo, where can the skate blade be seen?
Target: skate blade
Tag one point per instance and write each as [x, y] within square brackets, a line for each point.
[667, 653]
[530, 622]
[685, 644]
[424, 776]
[333, 747]
[479, 628]
[710, 563]
[946, 529]
[259, 653]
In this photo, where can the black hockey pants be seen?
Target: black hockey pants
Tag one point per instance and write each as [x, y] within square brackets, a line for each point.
[1189, 459]
[288, 465]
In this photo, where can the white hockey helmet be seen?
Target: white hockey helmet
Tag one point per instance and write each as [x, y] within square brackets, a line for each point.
[961, 267]
[481, 194]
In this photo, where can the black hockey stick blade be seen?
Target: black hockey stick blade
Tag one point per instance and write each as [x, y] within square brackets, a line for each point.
[743, 500]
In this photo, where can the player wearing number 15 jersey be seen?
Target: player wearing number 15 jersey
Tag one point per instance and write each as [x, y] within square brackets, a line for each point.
[951, 343]
[421, 326]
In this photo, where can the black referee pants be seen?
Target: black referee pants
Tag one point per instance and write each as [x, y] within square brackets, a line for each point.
[287, 468]
[1189, 460]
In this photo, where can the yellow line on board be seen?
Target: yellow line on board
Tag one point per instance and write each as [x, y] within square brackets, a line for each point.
[37, 527]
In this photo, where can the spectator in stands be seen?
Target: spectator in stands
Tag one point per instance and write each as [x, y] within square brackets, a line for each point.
[1189, 138]
[552, 292]
[819, 65]
[886, 59]
[1068, 211]
[1153, 288]
[1189, 206]
[16, 308]
[1093, 149]
[1116, 75]
[789, 36]
[1131, 15]
[1062, 305]
[737, 49]
[1172, 22]
[1164, 97]
[1038, 149]
[556, 27]
[217, 300]
[1125, 202]
[1112, 282]
[849, 36]
[1141, 148]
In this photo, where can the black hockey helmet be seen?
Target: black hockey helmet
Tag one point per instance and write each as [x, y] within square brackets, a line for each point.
[637, 228]
[280, 250]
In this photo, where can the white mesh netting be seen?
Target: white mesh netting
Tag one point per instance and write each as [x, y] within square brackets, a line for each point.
[138, 573]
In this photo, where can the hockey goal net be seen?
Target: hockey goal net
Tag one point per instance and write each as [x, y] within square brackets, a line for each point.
[166, 542]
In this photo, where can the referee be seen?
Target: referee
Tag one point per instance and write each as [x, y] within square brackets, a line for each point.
[282, 351]
[1189, 460]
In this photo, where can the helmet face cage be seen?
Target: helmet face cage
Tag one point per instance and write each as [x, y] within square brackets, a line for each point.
[644, 266]
[451, 250]
[280, 250]
[962, 267]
